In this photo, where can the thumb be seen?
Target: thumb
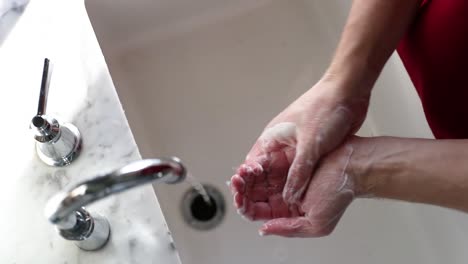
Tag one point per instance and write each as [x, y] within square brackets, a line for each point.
[294, 227]
[299, 173]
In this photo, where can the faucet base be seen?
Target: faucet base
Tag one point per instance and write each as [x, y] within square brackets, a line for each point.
[65, 210]
[89, 232]
[99, 236]
[64, 150]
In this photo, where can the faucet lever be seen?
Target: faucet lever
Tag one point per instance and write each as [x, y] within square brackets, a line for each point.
[41, 107]
[56, 144]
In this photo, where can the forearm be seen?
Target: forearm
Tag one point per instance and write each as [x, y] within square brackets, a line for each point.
[371, 34]
[420, 170]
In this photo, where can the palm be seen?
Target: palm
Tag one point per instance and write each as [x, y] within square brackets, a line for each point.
[275, 182]
[259, 182]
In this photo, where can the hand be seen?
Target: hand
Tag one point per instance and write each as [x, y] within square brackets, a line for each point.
[257, 189]
[295, 140]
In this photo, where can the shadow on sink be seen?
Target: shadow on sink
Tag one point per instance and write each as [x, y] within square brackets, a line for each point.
[10, 13]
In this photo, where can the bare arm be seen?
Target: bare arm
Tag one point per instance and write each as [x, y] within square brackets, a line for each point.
[281, 180]
[417, 170]
[371, 34]
[337, 105]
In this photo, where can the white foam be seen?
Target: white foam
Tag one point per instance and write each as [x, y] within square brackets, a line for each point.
[284, 133]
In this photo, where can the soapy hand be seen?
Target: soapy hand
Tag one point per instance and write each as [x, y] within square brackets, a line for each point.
[309, 128]
[278, 169]
[258, 186]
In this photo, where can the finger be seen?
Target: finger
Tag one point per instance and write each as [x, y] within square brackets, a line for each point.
[294, 227]
[279, 208]
[251, 172]
[299, 174]
[290, 153]
[278, 170]
[271, 142]
[256, 168]
[295, 211]
[246, 176]
[237, 184]
[239, 201]
[262, 192]
[287, 227]
[278, 138]
[257, 211]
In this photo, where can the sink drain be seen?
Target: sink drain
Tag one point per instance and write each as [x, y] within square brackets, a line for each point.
[200, 214]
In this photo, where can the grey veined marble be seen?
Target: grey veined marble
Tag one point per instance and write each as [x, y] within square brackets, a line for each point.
[81, 91]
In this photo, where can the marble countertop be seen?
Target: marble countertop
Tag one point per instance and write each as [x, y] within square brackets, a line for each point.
[81, 91]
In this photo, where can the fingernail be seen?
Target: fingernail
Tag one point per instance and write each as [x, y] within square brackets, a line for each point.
[228, 183]
[258, 169]
[261, 233]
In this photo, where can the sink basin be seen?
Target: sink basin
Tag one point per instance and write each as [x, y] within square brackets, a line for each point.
[200, 80]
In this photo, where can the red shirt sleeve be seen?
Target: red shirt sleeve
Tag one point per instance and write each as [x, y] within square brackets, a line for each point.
[435, 54]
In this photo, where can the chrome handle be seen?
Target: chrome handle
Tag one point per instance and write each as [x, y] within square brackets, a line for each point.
[56, 144]
[41, 107]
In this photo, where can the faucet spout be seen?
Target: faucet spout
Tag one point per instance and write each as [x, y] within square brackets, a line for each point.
[65, 209]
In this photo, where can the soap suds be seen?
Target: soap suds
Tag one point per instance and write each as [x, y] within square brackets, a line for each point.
[344, 175]
[283, 133]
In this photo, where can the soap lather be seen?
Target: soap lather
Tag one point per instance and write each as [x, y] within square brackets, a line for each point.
[56, 144]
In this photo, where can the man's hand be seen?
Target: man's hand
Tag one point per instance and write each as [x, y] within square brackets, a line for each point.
[336, 106]
[257, 189]
[415, 170]
[309, 128]
[277, 171]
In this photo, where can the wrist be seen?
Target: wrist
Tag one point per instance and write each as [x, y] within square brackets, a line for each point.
[353, 77]
[375, 163]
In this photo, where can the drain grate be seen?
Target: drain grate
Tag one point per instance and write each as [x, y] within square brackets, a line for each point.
[198, 213]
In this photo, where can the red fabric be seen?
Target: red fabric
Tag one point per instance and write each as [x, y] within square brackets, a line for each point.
[435, 54]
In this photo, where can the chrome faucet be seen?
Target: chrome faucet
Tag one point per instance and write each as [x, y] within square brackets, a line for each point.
[65, 210]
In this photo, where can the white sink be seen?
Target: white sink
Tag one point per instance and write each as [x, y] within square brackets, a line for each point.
[200, 79]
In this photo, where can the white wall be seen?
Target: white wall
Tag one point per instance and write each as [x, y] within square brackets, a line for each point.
[206, 95]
